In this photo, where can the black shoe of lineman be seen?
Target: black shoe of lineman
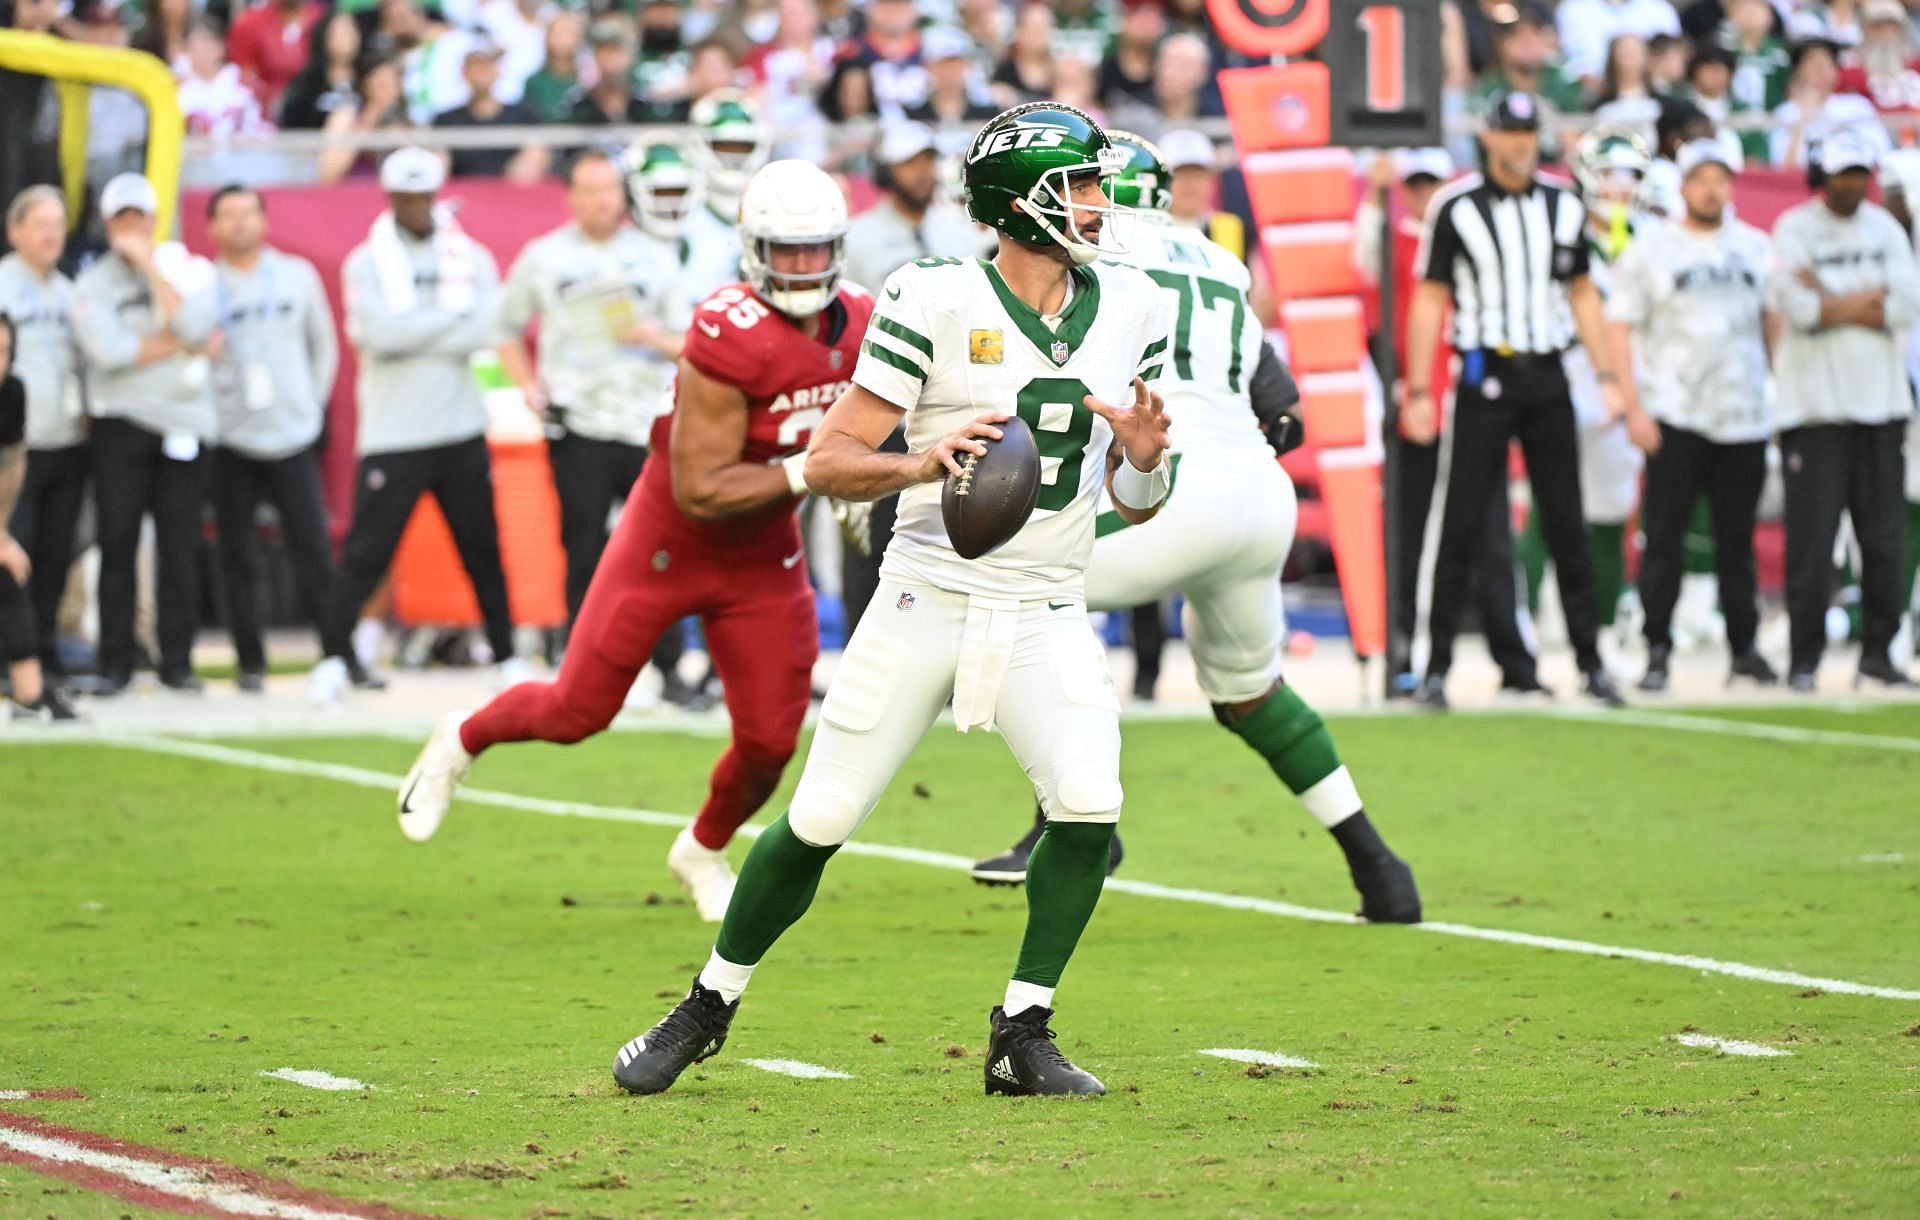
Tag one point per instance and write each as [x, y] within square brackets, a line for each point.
[1387, 891]
[1022, 1060]
[693, 1032]
[1010, 866]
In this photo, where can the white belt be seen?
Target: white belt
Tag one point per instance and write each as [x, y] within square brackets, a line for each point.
[986, 646]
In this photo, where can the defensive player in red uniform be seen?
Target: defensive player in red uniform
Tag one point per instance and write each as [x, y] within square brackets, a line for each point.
[710, 531]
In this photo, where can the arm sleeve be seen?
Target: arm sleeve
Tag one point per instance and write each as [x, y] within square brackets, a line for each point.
[520, 301]
[480, 325]
[1275, 395]
[897, 354]
[1439, 246]
[376, 327]
[1630, 301]
[106, 343]
[323, 346]
[1797, 303]
[1903, 280]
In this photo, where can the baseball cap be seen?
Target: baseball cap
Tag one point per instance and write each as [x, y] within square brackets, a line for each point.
[128, 191]
[1179, 149]
[606, 34]
[1876, 11]
[1515, 111]
[944, 42]
[412, 171]
[1413, 162]
[1848, 149]
[1708, 151]
[484, 47]
[905, 140]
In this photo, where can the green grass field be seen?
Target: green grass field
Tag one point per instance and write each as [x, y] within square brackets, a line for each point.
[176, 925]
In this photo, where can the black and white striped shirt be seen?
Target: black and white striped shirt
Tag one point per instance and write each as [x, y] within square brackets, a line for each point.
[1507, 259]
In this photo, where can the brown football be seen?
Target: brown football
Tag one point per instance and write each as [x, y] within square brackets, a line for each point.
[991, 501]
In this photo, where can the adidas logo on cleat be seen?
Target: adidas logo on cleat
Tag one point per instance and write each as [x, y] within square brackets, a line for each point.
[633, 1050]
[1004, 1070]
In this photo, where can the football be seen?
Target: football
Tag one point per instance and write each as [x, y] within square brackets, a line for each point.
[992, 499]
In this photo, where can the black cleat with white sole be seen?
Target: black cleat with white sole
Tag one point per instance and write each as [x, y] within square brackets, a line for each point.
[693, 1032]
[1010, 866]
[1022, 1060]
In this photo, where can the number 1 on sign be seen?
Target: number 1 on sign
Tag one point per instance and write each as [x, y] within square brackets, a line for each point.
[1385, 27]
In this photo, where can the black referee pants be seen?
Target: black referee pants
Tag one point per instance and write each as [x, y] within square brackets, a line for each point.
[592, 477]
[133, 476]
[1523, 398]
[292, 486]
[1494, 585]
[1731, 476]
[1859, 469]
[387, 486]
[45, 521]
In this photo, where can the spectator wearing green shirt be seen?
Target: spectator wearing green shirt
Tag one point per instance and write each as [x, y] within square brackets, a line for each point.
[1710, 87]
[554, 88]
[1761, 62]
[1523, 61]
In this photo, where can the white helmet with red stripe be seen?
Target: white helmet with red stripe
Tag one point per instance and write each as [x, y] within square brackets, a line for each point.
[792, 203]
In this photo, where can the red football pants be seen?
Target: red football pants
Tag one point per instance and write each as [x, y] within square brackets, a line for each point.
[758, 617]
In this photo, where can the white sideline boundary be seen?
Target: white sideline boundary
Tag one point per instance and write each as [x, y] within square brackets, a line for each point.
[362, 777]
[1637, 718]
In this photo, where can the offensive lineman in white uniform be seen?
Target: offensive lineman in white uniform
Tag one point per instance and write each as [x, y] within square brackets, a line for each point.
[1050, 333]
[1224, 536]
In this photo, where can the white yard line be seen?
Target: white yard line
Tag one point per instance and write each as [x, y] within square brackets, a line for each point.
[1639, 719]
[793, 1067]
[1731, 1046]
[318, 1080]
[1263, 1058]
[387, 783]
[1892, 857]
[176, 1182]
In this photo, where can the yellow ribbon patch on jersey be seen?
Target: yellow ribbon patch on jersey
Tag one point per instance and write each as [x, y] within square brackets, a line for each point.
[986, 347]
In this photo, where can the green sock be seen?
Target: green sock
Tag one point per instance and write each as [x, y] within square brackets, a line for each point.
[1065, 874]
[1292, 738]
[1608, 544]
[775, 888]
[1531, 550]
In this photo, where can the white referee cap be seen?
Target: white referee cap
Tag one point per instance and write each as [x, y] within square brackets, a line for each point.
[412, 171]
[128, 192]
[1709, 150]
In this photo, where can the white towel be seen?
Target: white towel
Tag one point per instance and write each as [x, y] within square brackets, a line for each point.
[986, 646]
[452, 257]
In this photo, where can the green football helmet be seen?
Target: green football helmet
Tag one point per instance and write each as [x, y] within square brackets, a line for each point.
[1018, 172]
[664, 188]
[733, 140]
[1144, 184]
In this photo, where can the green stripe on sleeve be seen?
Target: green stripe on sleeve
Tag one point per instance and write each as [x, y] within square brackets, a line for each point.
[895, 359]
[1153, 349]
[1150, 374]
[905, 333]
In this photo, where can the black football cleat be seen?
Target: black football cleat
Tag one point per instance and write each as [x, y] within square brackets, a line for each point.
[1432, 693]
[1754, 668]
[1882, 671]
[1596, 685]
[363, 678]
[1802, 682]
[1657, 676]
[1022, 1060]
[1010, 866]
[693, 1032]
[1387, 891]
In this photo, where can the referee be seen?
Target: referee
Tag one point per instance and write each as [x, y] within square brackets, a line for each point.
[1510, 252]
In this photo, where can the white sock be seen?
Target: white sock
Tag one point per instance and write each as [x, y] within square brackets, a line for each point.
[1333, 800]
[368, 635]
[725, 977]
[1022, 996]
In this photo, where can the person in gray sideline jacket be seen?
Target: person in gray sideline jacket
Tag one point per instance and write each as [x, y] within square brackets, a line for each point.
[1844, 280]
[421, 298]
[39, 299]
[611, 328]
[1688, 314]
[271, 386]
[145, 316]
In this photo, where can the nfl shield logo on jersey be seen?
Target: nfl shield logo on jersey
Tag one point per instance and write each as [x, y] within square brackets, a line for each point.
[1060, 351]
[905, 603]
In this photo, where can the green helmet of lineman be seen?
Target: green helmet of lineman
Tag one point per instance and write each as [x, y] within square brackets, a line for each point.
[1144, 184]
[665, 188]
[1019, 169]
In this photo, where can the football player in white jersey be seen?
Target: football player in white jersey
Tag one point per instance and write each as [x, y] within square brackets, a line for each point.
[1053, 334]
[731, 141]
[1224, 534]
